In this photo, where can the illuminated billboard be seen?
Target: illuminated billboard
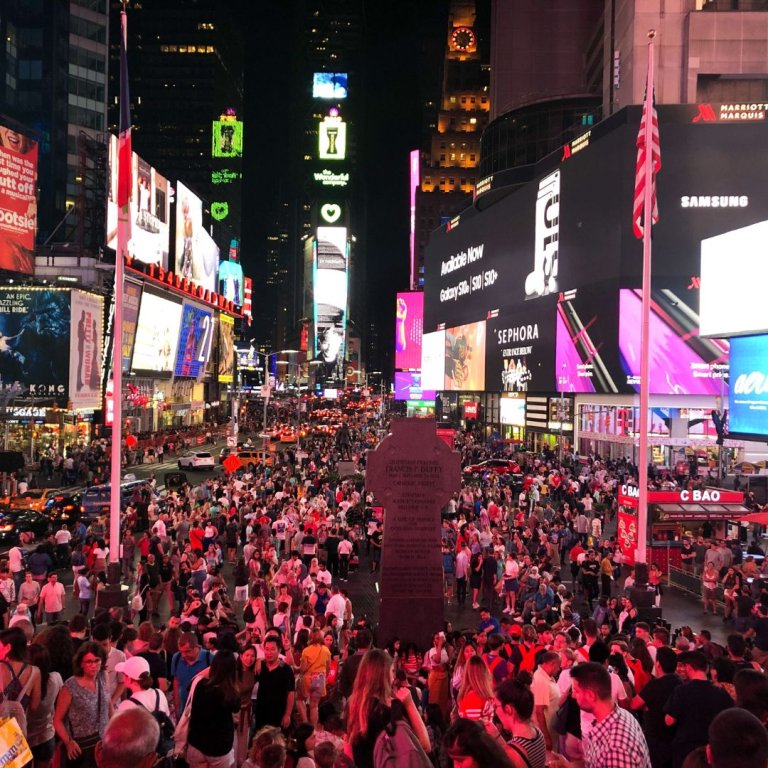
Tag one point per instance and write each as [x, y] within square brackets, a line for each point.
[18, 201]
[730, 304]
[157, 334]
[512, 411]
[748, 398]
[131, 304]
[34, 343]
[227, 138]
[465, 357]
[85, 350]
[329, 85]
[149, 210]
[231, 281]
[408, 387]
[433, 360]
[332, 138]
[197, 255]
[195, 341]
[226, 368]
[409, 326]
[330, 293]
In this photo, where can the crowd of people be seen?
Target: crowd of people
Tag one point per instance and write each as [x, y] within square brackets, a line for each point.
[241, 646]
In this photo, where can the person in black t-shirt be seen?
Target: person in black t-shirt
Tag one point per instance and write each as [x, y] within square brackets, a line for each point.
[651, 700]
[277, 688]
[590, 570]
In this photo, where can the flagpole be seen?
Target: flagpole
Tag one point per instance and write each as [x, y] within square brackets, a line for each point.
[123, 236]
[642, 512]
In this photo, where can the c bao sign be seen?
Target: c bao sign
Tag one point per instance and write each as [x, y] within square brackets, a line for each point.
[628, 498]
[698, 496]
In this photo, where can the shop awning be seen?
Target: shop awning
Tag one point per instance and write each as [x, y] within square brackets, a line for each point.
[758, 518]
[684, 512]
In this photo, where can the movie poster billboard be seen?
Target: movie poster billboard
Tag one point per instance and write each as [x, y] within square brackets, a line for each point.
[85, 350]
[195, 341]
[231, 282]
[131, 304]
[409, 327]
[465, 357]
[18, 201]
[519, 350]
[150, 208]
[330, 293]
[157, 334]
[34, 343]
[197, 255]
[628, 500]
[226, 369]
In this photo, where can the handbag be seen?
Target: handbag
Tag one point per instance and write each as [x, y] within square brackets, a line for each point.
[14, 750]
[181, 734]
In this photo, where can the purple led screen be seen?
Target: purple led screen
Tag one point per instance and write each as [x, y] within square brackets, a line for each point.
[408, 387]
[409, 326]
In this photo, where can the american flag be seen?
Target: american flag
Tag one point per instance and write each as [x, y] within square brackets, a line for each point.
[124, 156]
[641, 167]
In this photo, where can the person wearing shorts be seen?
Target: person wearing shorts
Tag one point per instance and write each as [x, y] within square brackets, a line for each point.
[511, 585]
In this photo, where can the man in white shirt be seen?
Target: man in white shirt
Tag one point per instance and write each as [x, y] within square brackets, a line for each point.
[546, 696]
[323, 575]
[16, 565]
[345, 553]
[51, 601]
[461, 570]
[336, 605]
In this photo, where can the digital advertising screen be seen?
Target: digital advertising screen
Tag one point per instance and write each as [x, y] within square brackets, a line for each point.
[730, 304]
[332, 138]
[512, 411]
[231, 281]
[18, 201]
[226, 367]
[520, 349]
[227, 138]
[197, 255]
[131, 304]
[149, 210]
[195, 341]
[680, 362]
[157, 334]
[34, 343]
[330, 293]
[409, 327]
[433, 360]
[85, 350]
[329, 85]
[408, 387]
[465, 357]
[748, 398]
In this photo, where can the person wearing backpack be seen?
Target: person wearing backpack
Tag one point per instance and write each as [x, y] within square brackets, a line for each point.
[19, 681]
[138, 683]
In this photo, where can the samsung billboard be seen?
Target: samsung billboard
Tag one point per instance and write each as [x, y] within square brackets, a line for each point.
[558, 252]
[748, 400]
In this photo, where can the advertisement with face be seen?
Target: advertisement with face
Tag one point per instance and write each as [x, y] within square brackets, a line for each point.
[34, 343]
[197, 255]
[195, 341]
[149, 210]
[85, 350]
[519, 350]
[18, 201]
[409, 326]
[226, 368]
[748, 400]
[330, 293]
[157, 334]
[131, 304]
[465, 357]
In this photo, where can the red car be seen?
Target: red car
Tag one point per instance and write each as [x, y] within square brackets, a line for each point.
[499, 466]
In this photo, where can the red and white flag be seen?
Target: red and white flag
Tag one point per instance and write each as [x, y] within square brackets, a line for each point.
[648, 164]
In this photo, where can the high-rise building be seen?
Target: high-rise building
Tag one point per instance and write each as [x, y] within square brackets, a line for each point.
[449, 167]
[185, 63]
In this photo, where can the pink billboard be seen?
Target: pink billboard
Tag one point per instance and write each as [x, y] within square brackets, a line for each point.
[408, 330]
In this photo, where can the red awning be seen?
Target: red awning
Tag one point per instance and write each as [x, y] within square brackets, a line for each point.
[685, 512]
[758, 518]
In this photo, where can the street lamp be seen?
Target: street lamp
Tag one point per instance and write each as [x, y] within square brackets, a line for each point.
[562, 383]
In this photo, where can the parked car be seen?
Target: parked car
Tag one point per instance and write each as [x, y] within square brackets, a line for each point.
[250, 459]
[14, 522]
[197, 460]
[35, 498]
[64, 508]
[499, 466]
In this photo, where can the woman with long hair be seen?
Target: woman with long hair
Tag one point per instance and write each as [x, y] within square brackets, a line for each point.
[246, 683]
[411, 661]
[475, 699]
[373, 706]
[514, 710]
[465, 651]
[314, 664]
[640, 662]
[215, 700]
[83, 706]
[469, 745]
[438, 683]
[40, 732]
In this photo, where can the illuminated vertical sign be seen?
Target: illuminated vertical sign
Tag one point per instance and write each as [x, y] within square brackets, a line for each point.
[248, 298]
[227, 137]
[332, 137]
[414, 184]
[409, 326]
[330, 293]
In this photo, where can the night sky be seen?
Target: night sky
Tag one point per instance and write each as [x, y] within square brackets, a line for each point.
[404, 44]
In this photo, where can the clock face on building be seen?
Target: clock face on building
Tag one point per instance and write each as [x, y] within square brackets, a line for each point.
[462, 38]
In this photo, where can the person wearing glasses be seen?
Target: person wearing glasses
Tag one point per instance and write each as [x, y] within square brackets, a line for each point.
[83, 706]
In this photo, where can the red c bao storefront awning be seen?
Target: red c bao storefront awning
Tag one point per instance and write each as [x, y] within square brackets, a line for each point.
[680, 513]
